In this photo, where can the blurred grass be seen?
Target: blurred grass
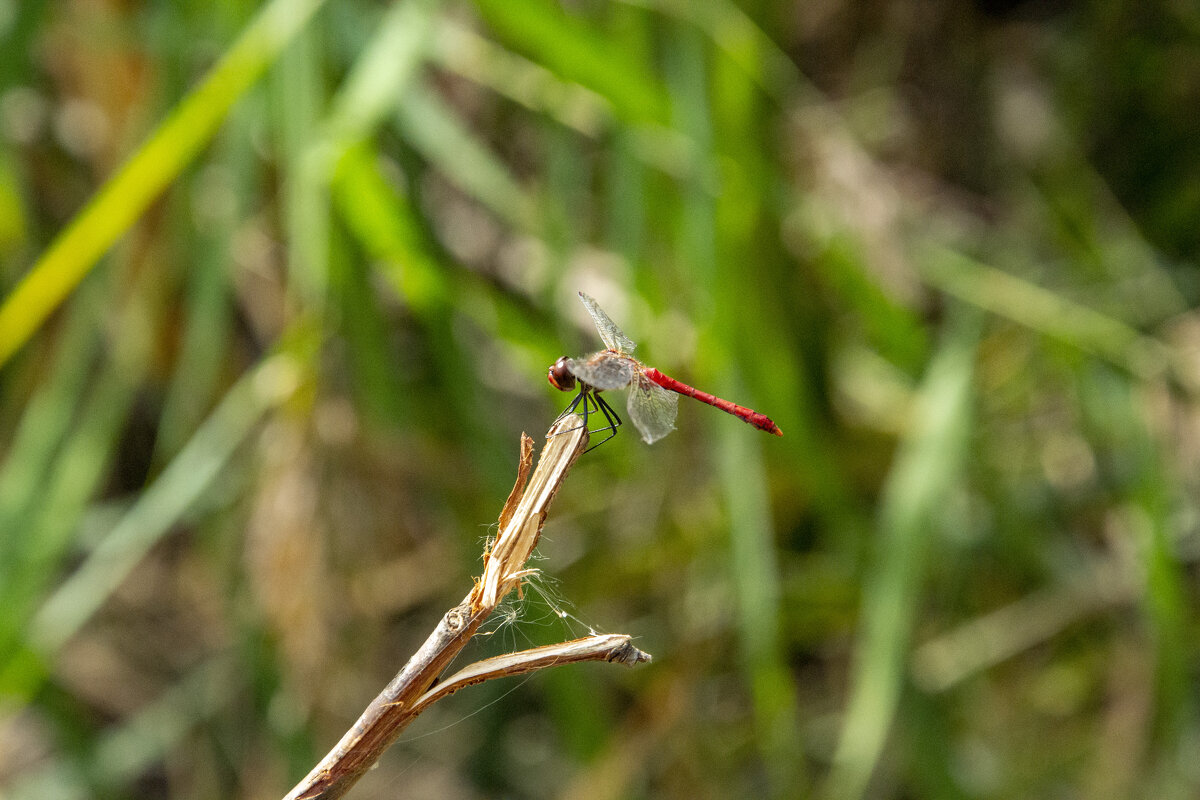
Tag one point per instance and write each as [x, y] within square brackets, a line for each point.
[152, 167]
[925, 475]
[260, 394]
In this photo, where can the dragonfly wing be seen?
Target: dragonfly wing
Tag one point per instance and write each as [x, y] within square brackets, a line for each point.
[602, 371]
[612, 336]
[652, 409]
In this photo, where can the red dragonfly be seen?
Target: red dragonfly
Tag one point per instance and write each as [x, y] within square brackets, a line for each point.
[651, 406]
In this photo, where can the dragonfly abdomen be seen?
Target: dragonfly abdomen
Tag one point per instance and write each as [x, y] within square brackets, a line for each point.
[760, 421]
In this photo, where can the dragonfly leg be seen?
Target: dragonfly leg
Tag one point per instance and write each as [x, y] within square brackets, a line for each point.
[583, 396]
[610, 416]
[587, 403]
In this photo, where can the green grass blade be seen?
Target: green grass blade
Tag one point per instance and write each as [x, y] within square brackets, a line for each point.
[1047, 312]
[14, 220]
[46, 421]
[297, 95]
[48, 532]
[926, 469]
[171, 147]
[382, 74]
[1148, 519]
[578, 52]
[209, 291]
[463, 51]
[441, 137]
[575, 106]
[380, 215]
[755, 572]
[162, 504]
[341, 156]
[740, 39]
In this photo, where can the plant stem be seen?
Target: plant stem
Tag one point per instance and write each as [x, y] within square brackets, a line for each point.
[409, 692]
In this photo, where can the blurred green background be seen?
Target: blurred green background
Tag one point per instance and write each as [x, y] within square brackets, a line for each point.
[281, 283]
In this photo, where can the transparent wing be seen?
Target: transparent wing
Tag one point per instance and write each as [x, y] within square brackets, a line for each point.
[603, 371]
[612, 336]
[652, 409]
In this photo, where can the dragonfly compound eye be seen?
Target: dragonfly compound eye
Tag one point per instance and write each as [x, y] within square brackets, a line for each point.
[560, 376]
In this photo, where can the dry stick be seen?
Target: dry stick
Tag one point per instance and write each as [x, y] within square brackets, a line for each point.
[614, 647]
[409, 692]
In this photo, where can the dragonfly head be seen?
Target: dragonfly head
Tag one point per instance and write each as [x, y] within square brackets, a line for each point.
[560, 376]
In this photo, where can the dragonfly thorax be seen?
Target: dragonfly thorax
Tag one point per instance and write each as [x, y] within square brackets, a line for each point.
[560, 375]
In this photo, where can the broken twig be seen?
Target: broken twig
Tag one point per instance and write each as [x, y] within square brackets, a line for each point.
[409, 693]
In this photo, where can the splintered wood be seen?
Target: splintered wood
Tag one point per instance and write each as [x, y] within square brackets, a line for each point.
[520, 526]
[524, 514]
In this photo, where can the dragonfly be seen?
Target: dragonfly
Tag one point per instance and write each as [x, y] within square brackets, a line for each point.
[653, 396]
